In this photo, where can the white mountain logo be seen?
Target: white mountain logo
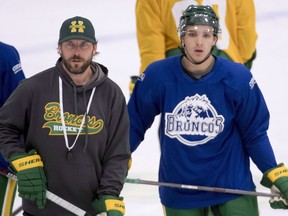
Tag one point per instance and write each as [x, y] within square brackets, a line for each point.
[194, 121]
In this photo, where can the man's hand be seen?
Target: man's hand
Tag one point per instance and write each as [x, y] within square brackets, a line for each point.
[31, 177]
[277, 180]
[113, 206]
[277, 202]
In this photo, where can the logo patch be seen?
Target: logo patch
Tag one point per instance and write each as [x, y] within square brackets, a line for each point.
[194, 121]
[252, 83]
[53, 122]
[141, 78]
[16, 68]
[74, 26]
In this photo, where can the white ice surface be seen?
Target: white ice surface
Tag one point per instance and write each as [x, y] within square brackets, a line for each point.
[32, 26]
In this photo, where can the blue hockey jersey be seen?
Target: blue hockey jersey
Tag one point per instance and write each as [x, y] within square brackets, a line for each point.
[209, 130]
[11, 74]
[10, 71]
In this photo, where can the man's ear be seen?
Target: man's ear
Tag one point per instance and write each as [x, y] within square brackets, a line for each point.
[94, 49]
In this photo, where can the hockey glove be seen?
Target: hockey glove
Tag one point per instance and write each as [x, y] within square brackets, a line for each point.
[31, 177]
[113, 206]
[132, 83]
[277, 180]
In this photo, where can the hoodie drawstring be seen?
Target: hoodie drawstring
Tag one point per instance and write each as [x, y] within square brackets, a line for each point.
[83, 120]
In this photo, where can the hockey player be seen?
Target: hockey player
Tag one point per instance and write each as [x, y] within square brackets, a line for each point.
[213, 120]
[157, 33]
[11, 74]
[75, 123]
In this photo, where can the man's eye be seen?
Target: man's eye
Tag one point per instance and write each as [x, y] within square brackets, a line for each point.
[69, 45]
[83, 45]
[207, 35]
[192, 34]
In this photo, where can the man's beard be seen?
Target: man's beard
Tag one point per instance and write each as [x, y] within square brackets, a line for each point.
[76, 69]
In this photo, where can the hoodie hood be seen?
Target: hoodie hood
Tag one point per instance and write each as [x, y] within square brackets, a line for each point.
[100, 74]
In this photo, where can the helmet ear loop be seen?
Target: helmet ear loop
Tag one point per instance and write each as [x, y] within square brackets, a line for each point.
[212, 48]
[182, 43]
[216, 36]
[182, 46]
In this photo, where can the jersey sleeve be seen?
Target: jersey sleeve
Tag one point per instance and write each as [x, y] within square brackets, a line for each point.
[253, 121]
[118, 150]
[150, 32]
[14, 121]
[143, 106]
[11, 72]
[246, 28]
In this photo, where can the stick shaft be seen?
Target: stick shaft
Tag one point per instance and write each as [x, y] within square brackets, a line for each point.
[56, 199]
[203, 188]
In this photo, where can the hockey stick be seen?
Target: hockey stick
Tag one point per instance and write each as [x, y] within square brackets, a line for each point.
[17, 211]
[202, 188]
[56, 199]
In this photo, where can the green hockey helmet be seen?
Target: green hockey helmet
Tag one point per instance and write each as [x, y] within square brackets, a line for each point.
[199, 15]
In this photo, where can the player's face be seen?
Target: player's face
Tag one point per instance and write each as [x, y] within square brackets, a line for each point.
[77, 55]
[198, 41]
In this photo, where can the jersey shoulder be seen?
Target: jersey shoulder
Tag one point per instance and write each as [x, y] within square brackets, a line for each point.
[232, 74]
